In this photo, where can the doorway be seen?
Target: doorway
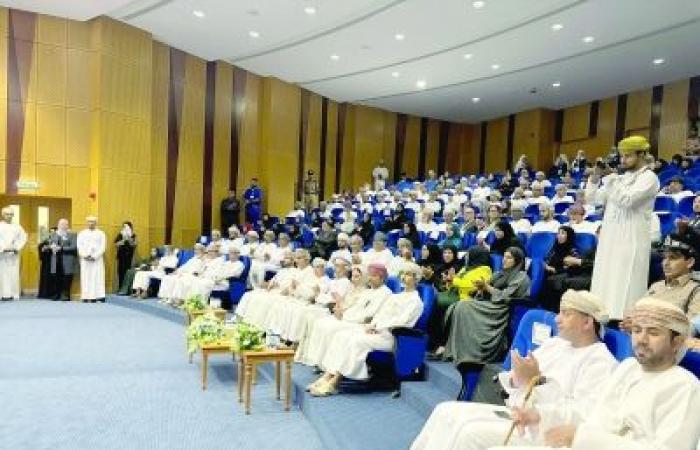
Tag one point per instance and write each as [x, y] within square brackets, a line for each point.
[36, 215]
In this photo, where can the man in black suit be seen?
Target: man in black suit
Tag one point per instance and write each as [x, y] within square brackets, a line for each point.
[64, 250]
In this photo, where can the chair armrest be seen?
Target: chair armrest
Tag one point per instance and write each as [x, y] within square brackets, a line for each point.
[407, 332]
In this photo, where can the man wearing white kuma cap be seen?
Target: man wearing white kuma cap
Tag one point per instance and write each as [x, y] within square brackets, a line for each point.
[649, 402]
[91, 249]
[574, 364]
[12, 240]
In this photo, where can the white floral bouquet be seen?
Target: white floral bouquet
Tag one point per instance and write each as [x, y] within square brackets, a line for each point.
[247, 337]
[205, 329]
[194, 303]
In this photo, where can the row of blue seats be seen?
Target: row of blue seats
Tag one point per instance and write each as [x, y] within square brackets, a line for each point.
[618, 343]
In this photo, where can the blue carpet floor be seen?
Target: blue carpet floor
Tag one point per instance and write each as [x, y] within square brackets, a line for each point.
[92, 376]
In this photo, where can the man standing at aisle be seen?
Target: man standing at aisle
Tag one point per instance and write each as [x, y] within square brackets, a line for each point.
[91, 249]
[621, 267]
[64, 246]
[310, 191]
[253, 202]
[230, 210]
[12, 240]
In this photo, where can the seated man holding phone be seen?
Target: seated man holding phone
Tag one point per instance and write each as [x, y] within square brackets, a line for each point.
[572, 365]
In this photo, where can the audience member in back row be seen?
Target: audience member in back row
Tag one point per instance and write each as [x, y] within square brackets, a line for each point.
[574, 363]
[477, 329]
[547, 223]
[460, 286]
[504, 237]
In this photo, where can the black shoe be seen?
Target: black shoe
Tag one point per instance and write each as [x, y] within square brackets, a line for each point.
[100, 300]
[92, 301]
[85, 301]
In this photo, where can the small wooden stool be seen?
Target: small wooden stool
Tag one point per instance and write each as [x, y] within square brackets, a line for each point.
[219, 313]
[247, 363]
[207, 350]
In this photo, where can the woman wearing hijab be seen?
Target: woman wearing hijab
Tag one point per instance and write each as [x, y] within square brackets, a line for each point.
[453, 237]
[126, 246]
[477, 267]
[563, 247]
[504, 237]
[410, 232]
[561, 262]
[478, 329]
[430, 262]
[365, 229]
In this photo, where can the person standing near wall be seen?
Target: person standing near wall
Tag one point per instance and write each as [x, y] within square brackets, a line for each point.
[230, 210]
[91, 249]
[126, 247]
[253, 202]
[12, 240]
[310, 191]
[64, 250]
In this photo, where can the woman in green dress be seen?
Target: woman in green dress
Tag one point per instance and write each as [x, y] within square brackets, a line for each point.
[144, 264]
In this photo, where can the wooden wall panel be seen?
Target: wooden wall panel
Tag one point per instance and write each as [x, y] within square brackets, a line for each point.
[433, 143]
[250, 134]
[222, 138]
[281, 109]
[673, 131]
[411, 147]
[576, 122]
[389, 140]
[331, 151]
[369, 143]
[496, 143]
[638, 112]
[312, 148]
[600, 144]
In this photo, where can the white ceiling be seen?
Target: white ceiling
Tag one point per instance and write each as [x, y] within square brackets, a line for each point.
[516, 34]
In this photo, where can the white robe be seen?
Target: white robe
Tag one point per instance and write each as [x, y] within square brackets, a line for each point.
[574, 376]
[92, 273]
[142, 278]
[347, 352]
[255, 304]
[639, 410]
[621, 268]
[358, 310]
[169, 283]
[372, 256]
[301, 291]
[214, 278]
[12, 240]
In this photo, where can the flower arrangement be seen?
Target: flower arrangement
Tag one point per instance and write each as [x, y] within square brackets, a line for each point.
[205, 329]
[194, 303]
[247, 337]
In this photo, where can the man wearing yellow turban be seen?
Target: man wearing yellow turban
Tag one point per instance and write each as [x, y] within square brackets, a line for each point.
[621, 269]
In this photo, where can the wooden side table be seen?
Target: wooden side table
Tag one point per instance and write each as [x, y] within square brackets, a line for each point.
[207, 350]
[219, 313]
[247, 363]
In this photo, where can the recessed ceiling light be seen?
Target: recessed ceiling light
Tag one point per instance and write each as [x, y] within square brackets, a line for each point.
[658, 61]
[198, 13]
[421, 84]
[557, 27]
[399, 37]
[335, 57]
[253, 12]
[476, 99]
[310, 10]
[254, 34]
[478, 4]
[495, 66]
[588, 39]
[556, 84]
[468, 56]
[395, 74]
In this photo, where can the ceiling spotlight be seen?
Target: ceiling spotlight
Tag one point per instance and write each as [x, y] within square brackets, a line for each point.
[557, 27]
[495, 66]
[198, 13]
[478, 4]
[658, 61]
[310, 10]
[395, 74]
[556, 84]
[399, 37]
[254, 34]
[335, 57]
[476, 99]
[468, 56]
[421, 84]
[588, 39]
